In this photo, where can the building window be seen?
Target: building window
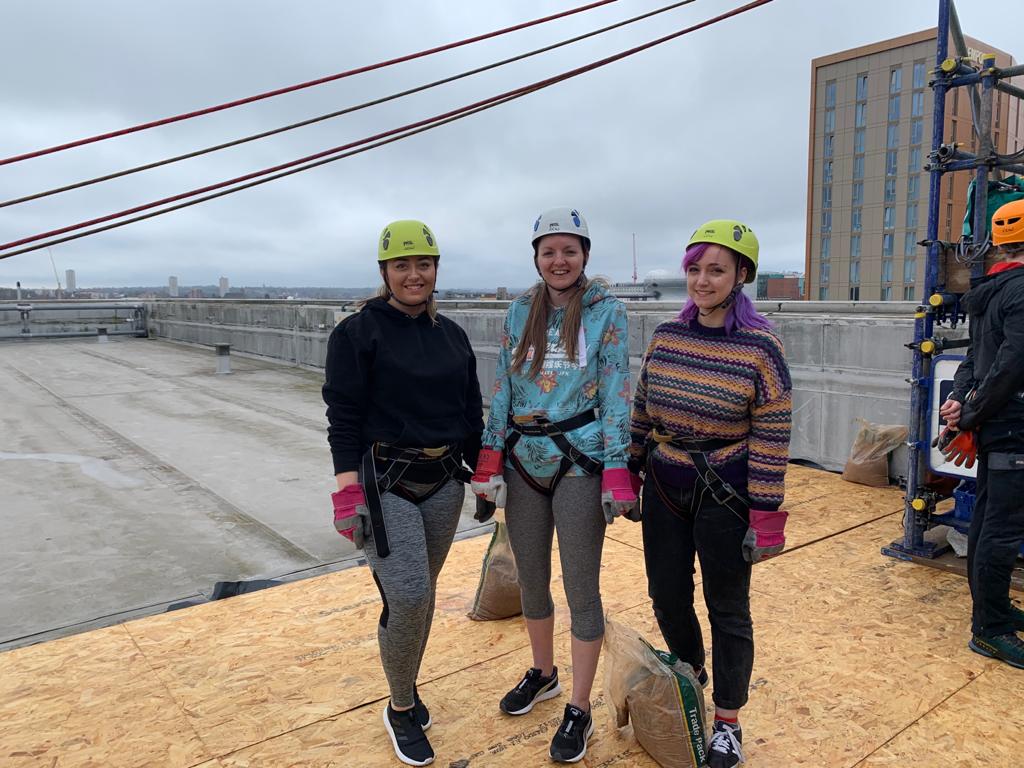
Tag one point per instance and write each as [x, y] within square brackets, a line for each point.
[828, 172]
[826, 247]
[854, 293]
[896, 80]
[858, 187]
[855, 246]
[908, 293]
[860, 115]
[909, 244]
[854, 272]
[890, 162]
[889, 217]
[858, 141]
[887, 243]
[913, 187]
[890, 190]
[909, 270]
[886, 293]
[916, 131]
[826, 196]
[826, 270]
[862, 87]
[826, 220]
[858, 167]
[911, 217]
[855, 220]
[823, 293]
[892, 137]
[830, 93]
[829, 145]
[894, 108]
[917, 104]
[886, 270]
[914, 163]
[919, 73]
[830, 120]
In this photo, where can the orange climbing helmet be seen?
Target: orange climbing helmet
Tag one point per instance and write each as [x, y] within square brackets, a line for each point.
[1008, 223]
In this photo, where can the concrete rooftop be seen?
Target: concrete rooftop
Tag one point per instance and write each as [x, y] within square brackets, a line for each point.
[132, 476]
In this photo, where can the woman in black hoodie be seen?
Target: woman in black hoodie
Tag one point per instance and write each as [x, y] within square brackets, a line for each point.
[405, 411]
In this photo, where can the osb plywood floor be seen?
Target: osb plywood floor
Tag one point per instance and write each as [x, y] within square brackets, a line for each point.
[861, 661]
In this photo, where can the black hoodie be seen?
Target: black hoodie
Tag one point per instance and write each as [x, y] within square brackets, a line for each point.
[994, 367]
[401, 380]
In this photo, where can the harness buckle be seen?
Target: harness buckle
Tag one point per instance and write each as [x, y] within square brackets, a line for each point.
[526, 419]
[434, 452]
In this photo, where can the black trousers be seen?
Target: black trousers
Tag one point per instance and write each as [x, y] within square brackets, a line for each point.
[997, 526]
[713, 533]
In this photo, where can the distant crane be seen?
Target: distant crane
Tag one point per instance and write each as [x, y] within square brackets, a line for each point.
[634, 258]
[55, 275]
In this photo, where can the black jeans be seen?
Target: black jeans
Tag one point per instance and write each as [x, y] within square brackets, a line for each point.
[715, 535]
[997, 526]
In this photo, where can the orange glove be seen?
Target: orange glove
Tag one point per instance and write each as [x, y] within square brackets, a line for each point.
[960, 447]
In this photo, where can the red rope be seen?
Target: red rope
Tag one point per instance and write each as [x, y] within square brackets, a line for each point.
[380, 138]
[299, 86]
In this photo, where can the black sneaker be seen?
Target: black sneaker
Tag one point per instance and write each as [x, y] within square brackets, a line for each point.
[422, 713]
[725, 748]
[532, 688]
[569, 744]
[1008, 648]
[407, 737]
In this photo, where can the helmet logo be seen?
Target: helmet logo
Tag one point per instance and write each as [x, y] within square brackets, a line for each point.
[737, 233]
[407, 244]
[386, 239]
[575, 217]
[426, 234]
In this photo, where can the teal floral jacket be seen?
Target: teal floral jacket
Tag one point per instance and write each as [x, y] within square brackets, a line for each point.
[597, 378]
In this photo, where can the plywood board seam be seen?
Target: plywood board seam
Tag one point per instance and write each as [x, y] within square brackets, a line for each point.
[170, 694]
[826, 537]
[914, 722]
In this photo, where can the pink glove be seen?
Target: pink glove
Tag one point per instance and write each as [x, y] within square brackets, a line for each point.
[487, 482]
[766, 536]
[350, 513]
[618, 494]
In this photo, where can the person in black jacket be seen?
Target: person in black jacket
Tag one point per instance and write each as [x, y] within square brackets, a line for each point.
[985, 416]
[405, 411]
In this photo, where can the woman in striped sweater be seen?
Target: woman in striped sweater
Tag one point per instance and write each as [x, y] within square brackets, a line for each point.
[710, 431]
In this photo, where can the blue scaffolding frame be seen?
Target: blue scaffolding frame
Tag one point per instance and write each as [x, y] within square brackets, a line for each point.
[943, 307]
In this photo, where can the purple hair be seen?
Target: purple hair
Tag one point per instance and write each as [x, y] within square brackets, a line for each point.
[741, 314]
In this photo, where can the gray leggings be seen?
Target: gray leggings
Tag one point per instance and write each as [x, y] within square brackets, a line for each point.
[575, 513]
[420, 537]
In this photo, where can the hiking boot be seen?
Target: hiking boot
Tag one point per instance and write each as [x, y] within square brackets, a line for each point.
[532, 688]
[1008, 648]
[407, 737]
[569, 743]
[725, 748]
[1017, 618]
[422, 713]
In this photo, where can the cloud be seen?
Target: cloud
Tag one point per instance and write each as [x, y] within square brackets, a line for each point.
[713, 124]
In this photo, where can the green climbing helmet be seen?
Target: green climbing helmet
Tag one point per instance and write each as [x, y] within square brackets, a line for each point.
[733, 235]
[407, 237]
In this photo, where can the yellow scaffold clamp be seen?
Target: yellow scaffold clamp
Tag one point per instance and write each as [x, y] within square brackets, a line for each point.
[919, 505]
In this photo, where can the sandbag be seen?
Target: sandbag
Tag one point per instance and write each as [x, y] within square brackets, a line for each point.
[658, 694]
[497, 595]
[869, 457]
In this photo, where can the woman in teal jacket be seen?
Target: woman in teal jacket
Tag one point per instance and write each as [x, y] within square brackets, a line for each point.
[560, 419]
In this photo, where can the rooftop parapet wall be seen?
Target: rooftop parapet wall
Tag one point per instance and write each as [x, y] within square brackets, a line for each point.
[848, 359]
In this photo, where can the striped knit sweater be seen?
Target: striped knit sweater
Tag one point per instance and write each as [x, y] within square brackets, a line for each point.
[703, 383]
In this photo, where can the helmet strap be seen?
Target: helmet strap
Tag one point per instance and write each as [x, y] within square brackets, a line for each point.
[726, 303]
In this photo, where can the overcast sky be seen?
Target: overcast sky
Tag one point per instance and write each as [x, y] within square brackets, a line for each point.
[713, 124]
